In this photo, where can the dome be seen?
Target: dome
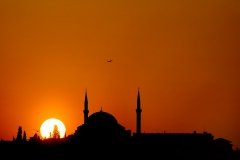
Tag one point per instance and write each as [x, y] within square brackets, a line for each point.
[102, 119]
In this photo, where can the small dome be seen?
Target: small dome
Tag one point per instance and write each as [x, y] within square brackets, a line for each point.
[102, 119]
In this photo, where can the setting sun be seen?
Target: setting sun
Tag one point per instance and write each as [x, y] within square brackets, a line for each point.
[48, 126]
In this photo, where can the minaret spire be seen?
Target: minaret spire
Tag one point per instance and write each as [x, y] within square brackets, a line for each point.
[138, 99]
[85, 111]
[138, 111]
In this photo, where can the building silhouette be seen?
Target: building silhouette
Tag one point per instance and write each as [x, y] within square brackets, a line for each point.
[100, 127]
[103, 127]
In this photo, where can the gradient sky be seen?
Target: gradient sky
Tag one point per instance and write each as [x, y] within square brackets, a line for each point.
[184, 55]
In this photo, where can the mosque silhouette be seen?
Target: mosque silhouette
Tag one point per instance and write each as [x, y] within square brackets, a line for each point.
[104, 126]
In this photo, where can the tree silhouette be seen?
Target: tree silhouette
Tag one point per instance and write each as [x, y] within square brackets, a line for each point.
[24, 136]
[19, 134]
[13, 139]
[56, 133]
[35, 136]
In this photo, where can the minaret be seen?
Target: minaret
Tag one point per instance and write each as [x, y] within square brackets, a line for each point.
[138, 110]
[85, 111]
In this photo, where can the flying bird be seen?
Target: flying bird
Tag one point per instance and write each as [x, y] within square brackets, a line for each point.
[110, 60]
[36, 130]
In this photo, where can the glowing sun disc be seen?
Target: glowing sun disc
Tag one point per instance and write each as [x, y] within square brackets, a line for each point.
[48, 126]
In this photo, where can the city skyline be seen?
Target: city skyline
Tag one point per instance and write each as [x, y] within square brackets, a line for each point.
[138, 121]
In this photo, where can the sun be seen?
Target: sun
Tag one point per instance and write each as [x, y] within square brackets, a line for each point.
[47, 127]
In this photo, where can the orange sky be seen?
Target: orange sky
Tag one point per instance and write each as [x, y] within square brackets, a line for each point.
[184, 56]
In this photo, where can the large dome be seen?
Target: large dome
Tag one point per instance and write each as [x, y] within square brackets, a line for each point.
[102, 119]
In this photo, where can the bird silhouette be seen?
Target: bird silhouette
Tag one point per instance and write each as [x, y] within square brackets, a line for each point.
[110, 60]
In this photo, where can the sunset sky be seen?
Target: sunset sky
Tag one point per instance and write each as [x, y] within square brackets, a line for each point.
[184, 55]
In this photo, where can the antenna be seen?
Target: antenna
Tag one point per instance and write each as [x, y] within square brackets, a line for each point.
[204, 130]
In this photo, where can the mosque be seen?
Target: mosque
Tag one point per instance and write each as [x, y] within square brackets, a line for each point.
[101, 126]
[104, 127]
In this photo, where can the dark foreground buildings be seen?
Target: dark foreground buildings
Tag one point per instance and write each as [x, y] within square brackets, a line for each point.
[101, 136]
